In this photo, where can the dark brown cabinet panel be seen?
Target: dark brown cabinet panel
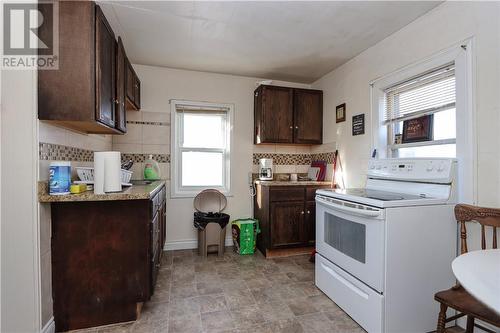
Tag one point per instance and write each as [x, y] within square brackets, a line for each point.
[105, 70]
[287, 223]
[121, 115]
[273, 112]
[133, 88]
[105, 262]
[288, 115]
[308, 116]
[310, 222]
[287, 216]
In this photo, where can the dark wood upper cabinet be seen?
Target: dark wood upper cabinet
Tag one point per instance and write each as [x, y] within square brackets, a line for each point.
[87, 92]
[105, 70]
[273, 112]
[133, 88]
[121, 115]
[288, 115]
[308, 116]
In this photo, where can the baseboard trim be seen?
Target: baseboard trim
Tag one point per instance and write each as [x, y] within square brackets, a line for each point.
[188, 244]
[50, 326]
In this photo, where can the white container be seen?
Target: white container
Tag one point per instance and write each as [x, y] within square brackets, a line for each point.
[107, 172]
[59, 177]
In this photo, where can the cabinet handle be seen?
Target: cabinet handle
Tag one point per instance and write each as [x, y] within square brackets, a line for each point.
[302, 212]
[296, 127]
[116, 101]
[291, 127]
[308, 212]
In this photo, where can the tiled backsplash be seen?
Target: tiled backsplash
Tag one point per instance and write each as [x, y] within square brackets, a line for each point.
[140, 158]
[294, 159]
[55, 152]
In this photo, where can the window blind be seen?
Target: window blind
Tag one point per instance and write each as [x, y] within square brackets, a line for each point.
[428, 93]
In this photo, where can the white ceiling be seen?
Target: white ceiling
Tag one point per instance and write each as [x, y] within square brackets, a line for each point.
[293, 41]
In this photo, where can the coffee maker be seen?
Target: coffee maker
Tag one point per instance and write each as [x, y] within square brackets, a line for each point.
[266, 169]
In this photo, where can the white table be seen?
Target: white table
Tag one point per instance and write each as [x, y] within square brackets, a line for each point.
[479, 273]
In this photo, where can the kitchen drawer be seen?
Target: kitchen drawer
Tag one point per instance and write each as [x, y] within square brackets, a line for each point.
[359, 301]
[288, 193]
[311, 192]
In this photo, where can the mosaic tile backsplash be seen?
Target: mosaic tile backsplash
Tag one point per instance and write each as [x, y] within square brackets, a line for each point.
[294, 159]
[55, 152]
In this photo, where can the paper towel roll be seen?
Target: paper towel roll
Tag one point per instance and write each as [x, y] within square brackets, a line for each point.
[107, 172]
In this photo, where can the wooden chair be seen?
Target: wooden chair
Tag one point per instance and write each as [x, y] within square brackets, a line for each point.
[457, 297]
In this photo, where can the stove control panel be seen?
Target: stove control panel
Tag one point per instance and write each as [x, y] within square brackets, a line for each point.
[435, 170]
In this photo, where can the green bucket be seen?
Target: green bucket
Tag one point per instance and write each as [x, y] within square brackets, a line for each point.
[244, 232]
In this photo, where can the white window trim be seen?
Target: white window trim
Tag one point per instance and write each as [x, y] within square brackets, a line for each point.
[176, 190]
[462, 55]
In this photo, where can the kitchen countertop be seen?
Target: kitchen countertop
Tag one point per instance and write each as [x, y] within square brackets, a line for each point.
[134, 192]
[292, 183]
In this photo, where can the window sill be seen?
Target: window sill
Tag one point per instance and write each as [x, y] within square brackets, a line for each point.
[422, 143]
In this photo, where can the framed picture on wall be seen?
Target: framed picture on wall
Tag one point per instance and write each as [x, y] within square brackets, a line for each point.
[418, 129]
[340, 113]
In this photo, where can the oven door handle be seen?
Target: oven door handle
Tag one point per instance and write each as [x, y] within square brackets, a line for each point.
[341, 208]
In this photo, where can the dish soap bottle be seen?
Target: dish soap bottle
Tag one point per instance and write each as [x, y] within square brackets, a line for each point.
[151, 169]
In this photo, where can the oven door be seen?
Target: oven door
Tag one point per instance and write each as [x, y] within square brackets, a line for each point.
[351, 236]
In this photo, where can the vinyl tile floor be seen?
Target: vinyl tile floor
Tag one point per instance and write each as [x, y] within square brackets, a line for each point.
[236, 294]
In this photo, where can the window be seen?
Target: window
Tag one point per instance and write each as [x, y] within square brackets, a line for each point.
[201, 140]
[442, 84]
[428, 94]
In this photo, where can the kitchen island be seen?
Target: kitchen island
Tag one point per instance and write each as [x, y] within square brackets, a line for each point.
[106, 252]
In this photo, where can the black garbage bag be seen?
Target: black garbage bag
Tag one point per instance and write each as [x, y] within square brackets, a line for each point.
[201, 219]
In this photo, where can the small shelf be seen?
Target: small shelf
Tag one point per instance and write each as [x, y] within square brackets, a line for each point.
[423, 143]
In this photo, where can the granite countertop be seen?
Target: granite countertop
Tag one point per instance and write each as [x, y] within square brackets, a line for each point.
[134, 192]
[292, 183]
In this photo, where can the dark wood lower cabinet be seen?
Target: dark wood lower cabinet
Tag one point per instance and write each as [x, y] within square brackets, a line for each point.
[287, 216]
[310, 222]
[287, 223]
[105, 257]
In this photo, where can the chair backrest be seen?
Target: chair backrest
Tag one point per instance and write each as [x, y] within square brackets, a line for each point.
[484, 216]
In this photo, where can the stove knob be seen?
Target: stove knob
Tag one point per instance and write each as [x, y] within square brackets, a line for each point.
[430, 167]
[440, 168]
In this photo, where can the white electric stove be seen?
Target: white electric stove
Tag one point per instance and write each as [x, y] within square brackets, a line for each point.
[384, 250]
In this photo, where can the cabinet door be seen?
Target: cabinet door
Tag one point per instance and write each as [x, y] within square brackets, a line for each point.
[287, 220]
[310, 222]
[137, 92]
[274, 115]
[105, 70]
[308, 116]
[121, 120]
[130, 85]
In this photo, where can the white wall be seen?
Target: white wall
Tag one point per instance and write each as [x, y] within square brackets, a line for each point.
[446, 25]
[158, 86]
[20, 300]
